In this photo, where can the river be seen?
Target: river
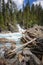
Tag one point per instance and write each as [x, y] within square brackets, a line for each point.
[16, 36]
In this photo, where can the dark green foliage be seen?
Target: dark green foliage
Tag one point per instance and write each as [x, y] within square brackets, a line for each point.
[31, 15]
[7, 13]
[27, 17]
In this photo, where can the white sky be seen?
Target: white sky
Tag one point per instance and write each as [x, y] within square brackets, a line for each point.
[38, 1]
[18, 2]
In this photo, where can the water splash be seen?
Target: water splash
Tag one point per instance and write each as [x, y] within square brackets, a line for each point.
[20, 29]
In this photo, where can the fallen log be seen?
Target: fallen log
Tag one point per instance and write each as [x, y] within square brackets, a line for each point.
[23, 40]
[42, 58]
[9, 53]
[37, 52]
[32, 35]
[36, 59]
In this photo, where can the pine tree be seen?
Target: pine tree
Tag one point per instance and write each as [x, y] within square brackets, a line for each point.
[3, 10]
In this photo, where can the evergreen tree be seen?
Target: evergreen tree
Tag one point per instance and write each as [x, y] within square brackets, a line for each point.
[3, 10]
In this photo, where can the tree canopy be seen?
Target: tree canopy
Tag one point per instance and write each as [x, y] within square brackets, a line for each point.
[27, 17]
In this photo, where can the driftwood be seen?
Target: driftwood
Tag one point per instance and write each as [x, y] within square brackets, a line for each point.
[26, 39]
[42, 58]
[28, 52]
[11, 52]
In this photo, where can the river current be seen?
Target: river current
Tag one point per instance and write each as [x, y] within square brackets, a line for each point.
[16, 36]
[12, 36]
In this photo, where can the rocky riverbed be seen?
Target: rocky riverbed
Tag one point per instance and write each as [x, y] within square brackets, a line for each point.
[31, 54]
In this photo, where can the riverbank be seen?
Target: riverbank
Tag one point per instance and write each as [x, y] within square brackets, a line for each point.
[31, 54]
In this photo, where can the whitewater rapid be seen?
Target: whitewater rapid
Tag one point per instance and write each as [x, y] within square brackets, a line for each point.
[16, 36]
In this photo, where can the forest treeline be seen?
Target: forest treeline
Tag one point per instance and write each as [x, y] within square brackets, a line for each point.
[27, 17]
